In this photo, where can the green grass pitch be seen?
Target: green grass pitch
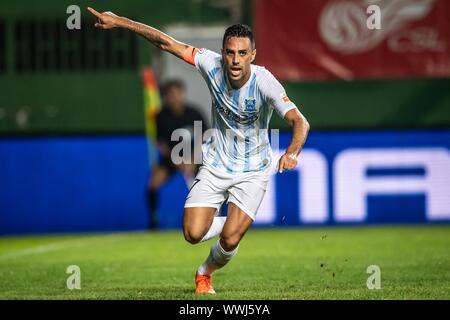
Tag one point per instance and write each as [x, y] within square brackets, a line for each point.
[325, 263]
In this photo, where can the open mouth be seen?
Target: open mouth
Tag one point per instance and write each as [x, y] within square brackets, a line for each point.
[235, 72]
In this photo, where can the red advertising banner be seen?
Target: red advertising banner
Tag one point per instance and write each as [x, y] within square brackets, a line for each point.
[339, 39]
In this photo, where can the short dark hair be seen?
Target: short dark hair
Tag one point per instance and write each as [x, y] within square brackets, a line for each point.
[240, 31]
[172, 83]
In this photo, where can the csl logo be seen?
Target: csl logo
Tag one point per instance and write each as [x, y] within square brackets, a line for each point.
[360, 173]
[343, 24]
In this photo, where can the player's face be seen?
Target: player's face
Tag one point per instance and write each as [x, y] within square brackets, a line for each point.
[238, 54]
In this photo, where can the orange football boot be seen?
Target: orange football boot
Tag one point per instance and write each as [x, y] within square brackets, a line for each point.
[203, 284]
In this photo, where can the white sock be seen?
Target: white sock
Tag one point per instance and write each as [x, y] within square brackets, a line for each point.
[217, 258]
[215, 229]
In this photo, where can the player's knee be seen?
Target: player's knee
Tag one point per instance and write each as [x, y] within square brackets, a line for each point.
[192, 237]
[230, 242]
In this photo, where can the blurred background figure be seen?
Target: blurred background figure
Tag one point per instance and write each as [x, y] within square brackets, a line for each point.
[175, 114]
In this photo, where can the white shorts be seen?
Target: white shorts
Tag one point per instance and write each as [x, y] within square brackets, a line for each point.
[212, 187]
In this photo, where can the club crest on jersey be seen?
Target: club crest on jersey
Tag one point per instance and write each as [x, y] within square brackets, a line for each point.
[250, 104]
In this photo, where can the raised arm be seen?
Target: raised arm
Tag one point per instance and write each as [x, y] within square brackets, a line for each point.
[108, 20]
[300, 129]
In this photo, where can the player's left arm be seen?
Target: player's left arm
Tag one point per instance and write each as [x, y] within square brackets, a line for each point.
[300, 129]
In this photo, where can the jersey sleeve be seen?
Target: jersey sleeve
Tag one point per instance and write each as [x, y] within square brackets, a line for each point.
[275, 95]
[205, 60]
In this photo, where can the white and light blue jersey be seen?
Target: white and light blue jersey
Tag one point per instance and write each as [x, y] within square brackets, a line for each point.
[240, 117]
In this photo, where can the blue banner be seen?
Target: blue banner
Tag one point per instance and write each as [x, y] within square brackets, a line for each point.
[363, 177]
[71, 184]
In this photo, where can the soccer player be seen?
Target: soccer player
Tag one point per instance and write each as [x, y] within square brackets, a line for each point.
[237, 157]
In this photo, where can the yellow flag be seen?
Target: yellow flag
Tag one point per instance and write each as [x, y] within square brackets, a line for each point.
[152, 101]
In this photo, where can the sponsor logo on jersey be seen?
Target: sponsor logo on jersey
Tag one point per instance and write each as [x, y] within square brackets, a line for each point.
[243, 119]
[285, 98]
